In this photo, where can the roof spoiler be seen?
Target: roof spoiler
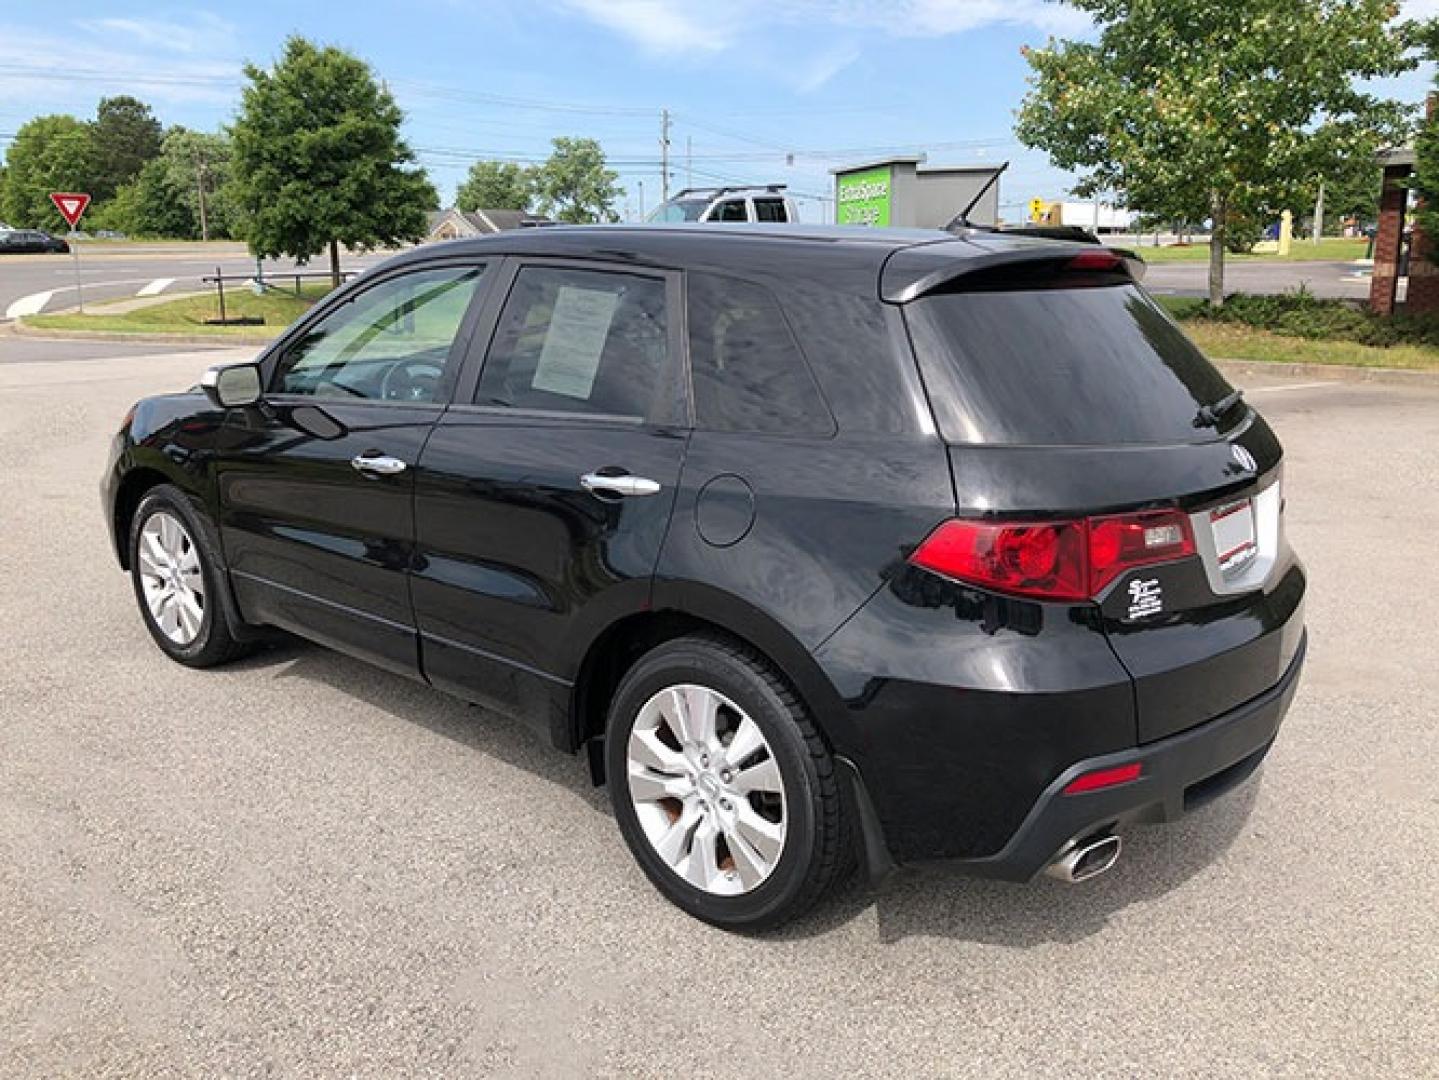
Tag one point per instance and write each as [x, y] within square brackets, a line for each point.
[925, 268]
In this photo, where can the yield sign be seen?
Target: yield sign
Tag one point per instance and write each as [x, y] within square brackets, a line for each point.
[70, 204]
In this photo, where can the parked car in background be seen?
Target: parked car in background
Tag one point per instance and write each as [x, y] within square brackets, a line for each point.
[822, 545]
[30, 241]
[768, 203]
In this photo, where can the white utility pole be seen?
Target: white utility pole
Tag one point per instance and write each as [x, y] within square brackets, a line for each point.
[689, 162]
[665, 155]
[1319, 213]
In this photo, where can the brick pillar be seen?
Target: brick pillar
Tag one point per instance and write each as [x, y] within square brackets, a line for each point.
[1423, 294]
[1389, 241]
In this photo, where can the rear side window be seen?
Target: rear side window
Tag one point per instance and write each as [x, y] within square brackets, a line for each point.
[748, 373]
[770, 210]
[581, 341]
[1061, 366]
[733, 210]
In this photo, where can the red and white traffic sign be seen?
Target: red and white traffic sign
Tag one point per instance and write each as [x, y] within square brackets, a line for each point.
[71, 205]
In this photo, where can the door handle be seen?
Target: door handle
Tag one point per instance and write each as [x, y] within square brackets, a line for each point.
[622, 485]
[378, 464]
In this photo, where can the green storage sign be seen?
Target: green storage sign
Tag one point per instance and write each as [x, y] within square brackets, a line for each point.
[864, 197]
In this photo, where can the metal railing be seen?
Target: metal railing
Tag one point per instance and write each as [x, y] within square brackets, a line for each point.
[265, 283]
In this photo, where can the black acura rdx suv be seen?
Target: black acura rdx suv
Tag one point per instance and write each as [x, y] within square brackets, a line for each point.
[825, 546]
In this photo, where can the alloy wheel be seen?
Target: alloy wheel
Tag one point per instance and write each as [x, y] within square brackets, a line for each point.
[707, 789]
[171, 577]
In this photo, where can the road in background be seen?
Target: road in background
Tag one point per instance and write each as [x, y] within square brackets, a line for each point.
[1333, 280]
[301, 865]
[111, 272]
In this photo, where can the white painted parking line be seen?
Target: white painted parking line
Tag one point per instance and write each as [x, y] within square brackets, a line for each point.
[29, 305]
[1281, 389]
[156, 287]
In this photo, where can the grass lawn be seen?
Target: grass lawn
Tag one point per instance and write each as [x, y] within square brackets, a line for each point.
[187, 315]
[1329, 249]
[1234, 341]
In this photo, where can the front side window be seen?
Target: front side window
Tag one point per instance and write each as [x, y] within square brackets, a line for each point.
[390, 343]
[679, 210]
[579, 341]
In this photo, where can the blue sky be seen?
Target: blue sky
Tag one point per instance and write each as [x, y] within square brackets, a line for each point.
[749, 82]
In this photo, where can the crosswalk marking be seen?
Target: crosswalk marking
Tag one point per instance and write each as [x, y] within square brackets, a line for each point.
[156, 287]
[29, 305]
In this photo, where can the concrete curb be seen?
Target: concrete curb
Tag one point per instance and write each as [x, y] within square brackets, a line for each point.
[217, 340]
[1335, 372]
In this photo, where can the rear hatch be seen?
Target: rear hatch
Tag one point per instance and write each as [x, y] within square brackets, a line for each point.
[1066, 393]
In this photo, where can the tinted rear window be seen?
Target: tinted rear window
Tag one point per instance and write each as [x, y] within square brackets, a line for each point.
[1054, 366]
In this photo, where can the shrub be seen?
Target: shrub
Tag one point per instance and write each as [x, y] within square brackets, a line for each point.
[1302, 314]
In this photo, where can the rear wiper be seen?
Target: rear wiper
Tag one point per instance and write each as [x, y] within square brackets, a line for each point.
[1209, 415]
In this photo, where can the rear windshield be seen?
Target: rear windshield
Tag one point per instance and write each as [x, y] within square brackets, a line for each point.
[1063, 366]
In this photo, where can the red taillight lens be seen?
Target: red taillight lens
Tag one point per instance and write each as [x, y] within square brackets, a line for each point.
[1103, 778]
[1035, 558]
[1099, 259]
[1054, 560]
[1121, 542]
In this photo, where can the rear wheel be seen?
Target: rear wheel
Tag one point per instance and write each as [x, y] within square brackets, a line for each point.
[722, 787]
[177, 578]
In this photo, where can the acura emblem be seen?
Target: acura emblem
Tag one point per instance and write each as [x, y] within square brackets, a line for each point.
[1243, 457]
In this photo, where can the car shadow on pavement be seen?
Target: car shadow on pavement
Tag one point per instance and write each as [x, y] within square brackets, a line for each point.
[939, 900]
[928, 900]
[471, 726]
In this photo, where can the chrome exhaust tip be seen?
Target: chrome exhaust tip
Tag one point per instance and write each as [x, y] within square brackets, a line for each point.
[1086, 859]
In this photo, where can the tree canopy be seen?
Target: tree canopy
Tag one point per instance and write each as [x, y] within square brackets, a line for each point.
[319, 161]
[125, 135]
[574, 184]
[50, 153]
[496, 185]
[1221, 109]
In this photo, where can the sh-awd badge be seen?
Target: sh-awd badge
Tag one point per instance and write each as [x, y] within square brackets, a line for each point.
[1145, 598]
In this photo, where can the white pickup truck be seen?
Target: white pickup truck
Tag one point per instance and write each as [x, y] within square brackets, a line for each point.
[759, 203]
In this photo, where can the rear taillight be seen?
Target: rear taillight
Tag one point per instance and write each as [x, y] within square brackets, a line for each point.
[1054, 560]
[1121, 542]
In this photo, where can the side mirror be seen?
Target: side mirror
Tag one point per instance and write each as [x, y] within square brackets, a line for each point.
[232, 386]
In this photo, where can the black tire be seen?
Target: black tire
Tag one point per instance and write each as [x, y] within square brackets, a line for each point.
[214, 643]
[817, 852]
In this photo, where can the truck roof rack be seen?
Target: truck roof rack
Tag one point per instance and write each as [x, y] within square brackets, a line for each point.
[728, 189]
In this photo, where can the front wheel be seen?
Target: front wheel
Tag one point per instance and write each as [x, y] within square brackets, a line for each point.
[177, 579]
[722, 787]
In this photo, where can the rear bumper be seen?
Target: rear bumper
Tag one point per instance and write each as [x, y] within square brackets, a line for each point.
[1177, 774]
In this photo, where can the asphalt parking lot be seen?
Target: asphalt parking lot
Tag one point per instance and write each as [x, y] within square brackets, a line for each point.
[302, 866]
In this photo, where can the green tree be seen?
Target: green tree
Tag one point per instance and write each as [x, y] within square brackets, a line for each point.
[574, 185]
[125, 135]
[1218, 109]
[1426, 149]
[50, 153]
[496, 185]
[165, 199]
[318, 159]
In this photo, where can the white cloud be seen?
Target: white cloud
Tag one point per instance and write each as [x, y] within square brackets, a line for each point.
[677, 27]
[103, 61]
[659, 26]
[198, 32]
[814, 73]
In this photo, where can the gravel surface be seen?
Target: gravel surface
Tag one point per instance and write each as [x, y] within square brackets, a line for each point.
[302, 866]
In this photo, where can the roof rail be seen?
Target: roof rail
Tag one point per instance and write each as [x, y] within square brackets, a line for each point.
[727, 189]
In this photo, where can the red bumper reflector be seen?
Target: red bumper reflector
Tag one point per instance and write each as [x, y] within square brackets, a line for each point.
[1103, 778]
